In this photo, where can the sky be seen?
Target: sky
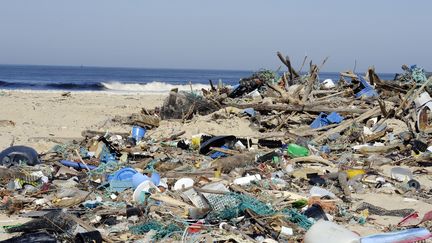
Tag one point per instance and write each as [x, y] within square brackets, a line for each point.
[222, 34]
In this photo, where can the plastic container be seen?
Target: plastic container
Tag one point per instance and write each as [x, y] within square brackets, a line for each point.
[297, 151]
[138, 178]
[328, 84]
[329, 232]
[242, 181]
[405, 236]
[138, 133]
[123, 174]
[401, 174]
[142, 189]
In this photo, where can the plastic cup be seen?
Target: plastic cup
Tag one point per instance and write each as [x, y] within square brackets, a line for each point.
[138, 133]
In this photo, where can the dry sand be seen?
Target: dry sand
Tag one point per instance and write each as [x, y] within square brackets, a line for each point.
[42, 116]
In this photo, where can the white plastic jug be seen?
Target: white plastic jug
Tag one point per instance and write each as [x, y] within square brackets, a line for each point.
[329, 232]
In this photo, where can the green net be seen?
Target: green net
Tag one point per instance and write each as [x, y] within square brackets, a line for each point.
[236, 204]
[418, 75]
[297, 218]
[105, 168]
[64, 149]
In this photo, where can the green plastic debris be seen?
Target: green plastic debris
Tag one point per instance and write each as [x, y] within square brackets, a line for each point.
[300, 203]
[296, 151]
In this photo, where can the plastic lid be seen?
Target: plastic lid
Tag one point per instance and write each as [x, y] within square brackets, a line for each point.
[183, 183]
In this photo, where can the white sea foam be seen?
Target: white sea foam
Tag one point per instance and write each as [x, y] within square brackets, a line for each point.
[152, 87]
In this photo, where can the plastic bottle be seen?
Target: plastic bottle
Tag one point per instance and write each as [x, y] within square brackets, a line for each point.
[406, 236]
[297, 151]
[247, 179]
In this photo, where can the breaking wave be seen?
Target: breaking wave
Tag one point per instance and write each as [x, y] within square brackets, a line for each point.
[152, 87]
[114, 86]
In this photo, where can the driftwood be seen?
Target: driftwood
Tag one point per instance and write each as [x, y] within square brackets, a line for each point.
[292, 73]
[300, 108]
[311, 82]
[91, 133]
[312, 159]
[380, 149]
[285, 97]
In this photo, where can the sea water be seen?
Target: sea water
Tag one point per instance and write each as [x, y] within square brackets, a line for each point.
[83, 78]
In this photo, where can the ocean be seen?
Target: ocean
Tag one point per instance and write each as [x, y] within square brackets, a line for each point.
[83, 78]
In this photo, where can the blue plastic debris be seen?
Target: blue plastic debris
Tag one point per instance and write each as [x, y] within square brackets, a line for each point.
[334, 117]
[106, 156]
[324, 120]
[76, 165]
[138, 133]
[367, 91]
[325, 149]
[218, 154]
[250, 112]
[122, 174]
[139, 178]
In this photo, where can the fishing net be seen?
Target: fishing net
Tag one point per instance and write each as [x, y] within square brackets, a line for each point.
[233, 205]
[182, 104]
[161, 230]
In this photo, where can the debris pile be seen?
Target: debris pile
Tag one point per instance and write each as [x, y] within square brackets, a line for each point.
[323, 151]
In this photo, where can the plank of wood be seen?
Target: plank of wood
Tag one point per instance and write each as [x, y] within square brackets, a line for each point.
[313, 159]
[170, 201]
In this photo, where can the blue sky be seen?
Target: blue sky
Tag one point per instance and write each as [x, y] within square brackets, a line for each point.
[223, 34]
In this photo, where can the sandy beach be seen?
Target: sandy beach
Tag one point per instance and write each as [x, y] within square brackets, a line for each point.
[48, 114]
[40, 119]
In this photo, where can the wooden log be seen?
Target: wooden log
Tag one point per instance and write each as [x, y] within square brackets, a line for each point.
[292, 73]
[311, 82]
[300, 108]
[312, 159]
[286, 98]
